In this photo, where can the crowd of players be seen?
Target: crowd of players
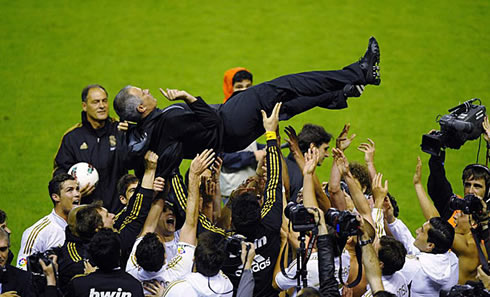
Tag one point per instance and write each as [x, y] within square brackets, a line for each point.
[220, 229]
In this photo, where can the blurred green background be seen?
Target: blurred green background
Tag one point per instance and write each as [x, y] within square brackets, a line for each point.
[434, 55]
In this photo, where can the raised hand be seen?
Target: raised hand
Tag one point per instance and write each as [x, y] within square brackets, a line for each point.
[341, 161]
[417, 177]
[151, 160]
[292, 140]
[486, 129]
[311, 161]
[344, 141]
[159, 184]
[123, 126]
[202, 162]
[271, 123]
[379, 191]
[368, 149]
[174, 94]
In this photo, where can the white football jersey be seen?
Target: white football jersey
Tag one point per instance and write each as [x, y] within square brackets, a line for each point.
[46, 233]
[395, 284]
[177, 268]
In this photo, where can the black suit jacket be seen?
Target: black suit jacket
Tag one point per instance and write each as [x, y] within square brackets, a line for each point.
[14, 279]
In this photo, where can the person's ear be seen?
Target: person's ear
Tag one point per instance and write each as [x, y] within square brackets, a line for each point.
[56, 197]
[381, 265]
[84, 106]
[430, 246]
[123, 199]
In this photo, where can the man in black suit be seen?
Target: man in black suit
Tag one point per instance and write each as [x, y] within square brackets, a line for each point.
[13, 281]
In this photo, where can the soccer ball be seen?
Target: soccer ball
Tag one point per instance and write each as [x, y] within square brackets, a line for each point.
[84, 173]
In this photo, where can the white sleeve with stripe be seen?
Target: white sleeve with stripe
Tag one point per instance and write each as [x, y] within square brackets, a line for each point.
[31, 242]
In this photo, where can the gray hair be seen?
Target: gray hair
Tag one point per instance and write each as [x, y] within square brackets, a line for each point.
[126, 105]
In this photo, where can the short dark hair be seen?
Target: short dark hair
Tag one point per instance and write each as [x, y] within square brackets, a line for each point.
[392, 253]
[88, 220]
[124, 182]
[441, 234]
[105, 249]
[312, 134]
[361, 173]
[394, 204]
[55, 184]
[245, 214]
[477, 171]
[150, 253]
[241, 76]
[87, 89]
[126, 104]
[3, 216]
[210, 254]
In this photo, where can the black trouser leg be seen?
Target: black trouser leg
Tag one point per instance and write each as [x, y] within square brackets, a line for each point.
[241, 114]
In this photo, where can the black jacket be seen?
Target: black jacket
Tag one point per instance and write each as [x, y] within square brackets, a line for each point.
[100, 283]
[176, 132]
[14, 279]
[82, 143]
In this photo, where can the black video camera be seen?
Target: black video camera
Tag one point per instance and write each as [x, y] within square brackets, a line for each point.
[463, 123]
[470, 289]
[33, 261]
[234, 244]
[300, 218]
[471, 204]
[344, 222]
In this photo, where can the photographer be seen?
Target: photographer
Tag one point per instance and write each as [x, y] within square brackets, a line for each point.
[326, 248]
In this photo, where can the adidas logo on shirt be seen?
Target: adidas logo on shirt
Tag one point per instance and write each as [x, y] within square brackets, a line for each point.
[118, 293]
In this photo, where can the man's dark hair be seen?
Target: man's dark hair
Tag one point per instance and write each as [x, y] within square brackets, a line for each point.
[126, 104]
[124, 182]
[383, 294]
[241, 76]
[441, 234]
[309, 292]
[87, 89]
[392, 253]
[88, 220]
[394, 204]
[105, 249]
[245, 214]
[3, 216]
[55, 184]
[210, 253]
[150, 253]
[312, 134]
[361, 173]
[477, 171]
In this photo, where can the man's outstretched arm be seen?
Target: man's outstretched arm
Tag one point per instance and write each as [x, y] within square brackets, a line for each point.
[198, 165]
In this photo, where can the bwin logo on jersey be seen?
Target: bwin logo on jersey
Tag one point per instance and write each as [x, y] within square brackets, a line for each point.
[260, 263]
[118, 293]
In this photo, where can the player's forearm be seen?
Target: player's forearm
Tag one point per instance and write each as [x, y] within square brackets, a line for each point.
[151, 221]
[358, 198]
[148, 178]
[428, 209]
[309, 199]
[371, 265]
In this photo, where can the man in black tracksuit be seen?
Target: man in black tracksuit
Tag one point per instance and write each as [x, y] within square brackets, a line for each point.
[109, 279]
[183, 131]
[94, 141]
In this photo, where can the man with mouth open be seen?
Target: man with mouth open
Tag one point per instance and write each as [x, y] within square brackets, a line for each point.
[49, 231]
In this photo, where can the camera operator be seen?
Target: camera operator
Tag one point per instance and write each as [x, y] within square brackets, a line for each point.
[326, 246]
[13, 281]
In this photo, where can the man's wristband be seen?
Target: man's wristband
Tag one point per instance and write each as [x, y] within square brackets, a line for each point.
[270, 135]
[365, 242]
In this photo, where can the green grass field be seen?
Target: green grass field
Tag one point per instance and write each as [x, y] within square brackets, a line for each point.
[434, 54]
